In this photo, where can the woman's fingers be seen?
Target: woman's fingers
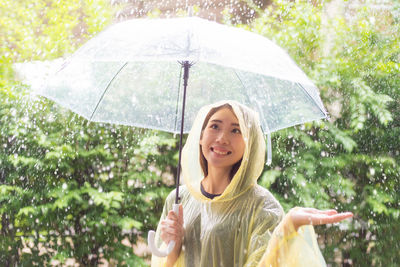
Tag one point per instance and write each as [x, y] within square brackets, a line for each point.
[339, 217]
[329, 212]
[172, 216]
[172, 226]
[304, 216]
[169, 233]
[180, 217]
[169, 223]
[330, 218]
[317, 211]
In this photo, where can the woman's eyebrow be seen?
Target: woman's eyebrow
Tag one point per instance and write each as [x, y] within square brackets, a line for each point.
[232, 124]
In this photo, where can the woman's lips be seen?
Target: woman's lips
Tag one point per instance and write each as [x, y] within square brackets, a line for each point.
[220, 151]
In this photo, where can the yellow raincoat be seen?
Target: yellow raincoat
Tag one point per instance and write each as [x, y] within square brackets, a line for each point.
[243, 226]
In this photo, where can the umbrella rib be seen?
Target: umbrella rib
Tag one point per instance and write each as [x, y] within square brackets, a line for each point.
[105, 91]
[269, 143]
[177, 99]
[240, 80]
[250, 102]
[313, 100]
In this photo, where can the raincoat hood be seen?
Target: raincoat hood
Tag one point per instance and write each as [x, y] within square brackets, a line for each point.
[252, 163]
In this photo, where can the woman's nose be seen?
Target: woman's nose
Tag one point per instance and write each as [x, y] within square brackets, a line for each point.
[223, 138]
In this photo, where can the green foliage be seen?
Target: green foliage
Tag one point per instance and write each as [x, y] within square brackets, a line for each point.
[39, 29]
[350, 162]
[74, 189]
[70, 189]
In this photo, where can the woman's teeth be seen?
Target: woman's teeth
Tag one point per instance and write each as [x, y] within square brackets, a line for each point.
[221, 152]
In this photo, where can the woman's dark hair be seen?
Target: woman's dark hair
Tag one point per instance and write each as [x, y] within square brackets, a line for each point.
[203, 161]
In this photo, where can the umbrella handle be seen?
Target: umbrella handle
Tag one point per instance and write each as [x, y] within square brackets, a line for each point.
[152, 244]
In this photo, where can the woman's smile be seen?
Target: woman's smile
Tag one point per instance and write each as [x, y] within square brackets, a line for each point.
[220, 151]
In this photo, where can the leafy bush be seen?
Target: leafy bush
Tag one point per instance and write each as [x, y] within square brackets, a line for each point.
[70, 189]
[73, 189]
[352, 161]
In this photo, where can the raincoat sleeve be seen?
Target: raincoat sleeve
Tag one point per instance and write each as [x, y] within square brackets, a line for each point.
[157, 261]
[262, 225]
[291, 248]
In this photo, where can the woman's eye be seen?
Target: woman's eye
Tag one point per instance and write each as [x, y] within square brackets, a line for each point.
[236, 131]
[214, 126]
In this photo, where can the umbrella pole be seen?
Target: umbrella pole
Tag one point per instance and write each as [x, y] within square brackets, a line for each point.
[186, 66]
[151, 236]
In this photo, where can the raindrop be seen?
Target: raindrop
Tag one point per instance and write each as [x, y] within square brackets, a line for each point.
[372, 171]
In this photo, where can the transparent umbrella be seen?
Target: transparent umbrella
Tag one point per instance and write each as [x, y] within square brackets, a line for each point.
[137, 73]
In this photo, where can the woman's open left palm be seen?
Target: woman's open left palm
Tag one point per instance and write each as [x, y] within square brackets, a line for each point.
[311, 216]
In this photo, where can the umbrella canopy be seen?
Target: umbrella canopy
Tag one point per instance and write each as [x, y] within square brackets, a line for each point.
[130, 74]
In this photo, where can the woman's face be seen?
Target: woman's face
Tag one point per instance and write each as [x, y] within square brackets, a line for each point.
[222, 142]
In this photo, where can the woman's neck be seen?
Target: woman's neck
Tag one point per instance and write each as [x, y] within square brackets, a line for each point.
[216, 181]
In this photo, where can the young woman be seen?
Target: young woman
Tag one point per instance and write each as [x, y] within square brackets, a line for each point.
[225, 218]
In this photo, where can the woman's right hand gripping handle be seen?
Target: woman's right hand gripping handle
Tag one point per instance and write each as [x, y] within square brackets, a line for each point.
[172, 233]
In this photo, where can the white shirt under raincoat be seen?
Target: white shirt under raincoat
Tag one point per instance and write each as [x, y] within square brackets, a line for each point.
[243, 226]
